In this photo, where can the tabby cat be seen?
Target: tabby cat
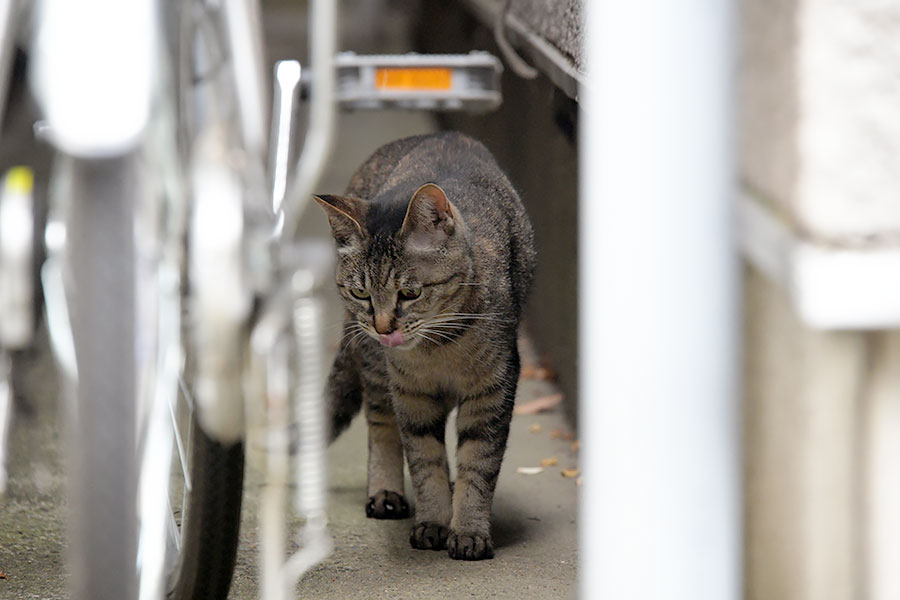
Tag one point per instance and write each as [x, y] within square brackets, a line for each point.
[435, 260]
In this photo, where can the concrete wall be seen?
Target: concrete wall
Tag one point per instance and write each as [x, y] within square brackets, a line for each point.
[801, 423]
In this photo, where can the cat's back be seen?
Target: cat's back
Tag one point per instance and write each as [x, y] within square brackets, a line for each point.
[461, 165]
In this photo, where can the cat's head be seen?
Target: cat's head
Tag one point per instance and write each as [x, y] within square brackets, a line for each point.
[403, 267]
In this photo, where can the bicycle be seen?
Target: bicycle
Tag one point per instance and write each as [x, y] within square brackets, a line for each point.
[121, 275]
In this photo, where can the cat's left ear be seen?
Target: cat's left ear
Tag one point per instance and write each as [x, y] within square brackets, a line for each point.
[430, 218]
[345, 215]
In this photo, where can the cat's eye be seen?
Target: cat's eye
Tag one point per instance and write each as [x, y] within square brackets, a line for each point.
[410, 293]
[359, 293]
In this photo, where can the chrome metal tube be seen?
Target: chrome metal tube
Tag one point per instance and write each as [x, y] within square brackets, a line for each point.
[320, 137]
[274, 494]
[243, 22]
[287, 78]
[8, 14]
[156, 454]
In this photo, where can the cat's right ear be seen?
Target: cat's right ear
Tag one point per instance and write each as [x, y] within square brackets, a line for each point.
[345, 215]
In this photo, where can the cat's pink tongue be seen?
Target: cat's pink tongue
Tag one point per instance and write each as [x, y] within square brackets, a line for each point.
[394, 338]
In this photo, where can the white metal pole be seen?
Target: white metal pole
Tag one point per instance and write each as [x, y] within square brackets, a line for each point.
[661, 503]
[317, 145]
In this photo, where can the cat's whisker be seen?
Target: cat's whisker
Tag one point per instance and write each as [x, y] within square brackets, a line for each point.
[354, 332]
[443, 335]
[468, 321]
[454, 332]
[475, 316]
[353, 328]
[451, 326]
[424, 336]
[458, 320]
[361, 335]
[469, 314]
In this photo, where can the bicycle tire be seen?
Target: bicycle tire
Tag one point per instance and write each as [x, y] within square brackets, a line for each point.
[210, 520]
[103, 516]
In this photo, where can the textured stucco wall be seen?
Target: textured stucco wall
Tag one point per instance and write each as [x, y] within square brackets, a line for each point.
[849, 135]
[557, 21]
[819, 125]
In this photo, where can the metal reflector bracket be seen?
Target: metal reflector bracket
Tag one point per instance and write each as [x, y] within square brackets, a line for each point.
[469, 82]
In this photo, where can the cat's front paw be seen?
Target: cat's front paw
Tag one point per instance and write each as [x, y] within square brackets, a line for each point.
[428, 536]
[469, 546]
[387, 505]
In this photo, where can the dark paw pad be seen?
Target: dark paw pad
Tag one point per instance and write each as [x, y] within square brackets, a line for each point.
[469, 546]
[387, 505]
[428, 536]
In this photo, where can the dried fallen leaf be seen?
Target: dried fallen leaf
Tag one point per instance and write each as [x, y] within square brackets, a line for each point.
[528, 371]
[562, 434]
[537, 373]
[576, 446]
[570, 472]
[544, 403]
[530, 470]
[545, 374]
[549, 462]
[535, 428]
[3, 574]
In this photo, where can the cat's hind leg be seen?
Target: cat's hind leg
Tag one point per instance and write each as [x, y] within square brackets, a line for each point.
[385, 468]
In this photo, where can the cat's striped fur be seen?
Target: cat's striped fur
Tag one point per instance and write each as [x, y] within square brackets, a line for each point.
[464, 244]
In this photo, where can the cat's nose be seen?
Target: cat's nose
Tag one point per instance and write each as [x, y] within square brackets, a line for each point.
[383, 323]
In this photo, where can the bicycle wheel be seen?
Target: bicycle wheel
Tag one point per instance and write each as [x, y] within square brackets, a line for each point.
[104, 452]
[196, 475]
[207, 481]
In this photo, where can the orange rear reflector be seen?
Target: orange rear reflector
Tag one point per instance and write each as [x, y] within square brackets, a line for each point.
[413, 79]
